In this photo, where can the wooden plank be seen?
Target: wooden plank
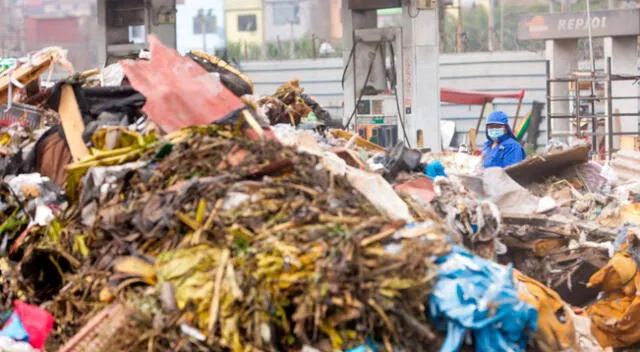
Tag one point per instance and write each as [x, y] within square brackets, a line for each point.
[72, 123]
[253, 123]
[550, 222]
[360, 142]
[23, 74]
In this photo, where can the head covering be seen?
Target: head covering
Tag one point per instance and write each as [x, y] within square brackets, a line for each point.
[499, 118]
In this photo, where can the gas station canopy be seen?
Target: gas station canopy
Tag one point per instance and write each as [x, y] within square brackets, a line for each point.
[463, 97]
[362, 5]
[569, 25]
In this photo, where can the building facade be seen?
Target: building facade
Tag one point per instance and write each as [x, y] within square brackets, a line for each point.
[200, 25]
[295, 19]
[70, 24]
[244, 22]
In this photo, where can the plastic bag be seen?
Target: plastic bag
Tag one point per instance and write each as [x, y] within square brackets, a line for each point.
[479, 296]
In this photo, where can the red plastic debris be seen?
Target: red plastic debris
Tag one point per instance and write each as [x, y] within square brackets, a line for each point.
[179, 92]
[36, 321]
[421, 188]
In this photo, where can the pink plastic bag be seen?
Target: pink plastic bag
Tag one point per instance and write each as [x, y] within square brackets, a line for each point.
[36, 321]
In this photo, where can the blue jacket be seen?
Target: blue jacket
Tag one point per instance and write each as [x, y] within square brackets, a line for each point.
[508, 151]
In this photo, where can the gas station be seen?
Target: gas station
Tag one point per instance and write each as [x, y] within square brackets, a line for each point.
[381, 63]
[565, 81]
[391, 75]
[118, 19]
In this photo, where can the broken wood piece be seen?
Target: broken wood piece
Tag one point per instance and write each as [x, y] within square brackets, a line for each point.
[546, 222]
[89, 73]
[253, 123]
[419, 327]
[360, 142]
[378, 237]
[72, 123]
[351, 158]
[215, 300]
[23, 74]
[97, 333]
[544, 247]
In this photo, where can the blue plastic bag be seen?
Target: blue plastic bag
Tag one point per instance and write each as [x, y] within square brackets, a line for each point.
[434, 169]
[478, 296]
[15, 330]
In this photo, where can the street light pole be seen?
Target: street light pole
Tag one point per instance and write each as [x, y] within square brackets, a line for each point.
[491, 26]
[459, 29]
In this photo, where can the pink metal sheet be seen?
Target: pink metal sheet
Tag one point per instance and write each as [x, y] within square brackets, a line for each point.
[179, 92]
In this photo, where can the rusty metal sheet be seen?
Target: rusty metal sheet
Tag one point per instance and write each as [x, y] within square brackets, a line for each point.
[179, 92]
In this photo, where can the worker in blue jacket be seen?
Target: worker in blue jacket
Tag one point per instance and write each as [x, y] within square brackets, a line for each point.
[501, 149]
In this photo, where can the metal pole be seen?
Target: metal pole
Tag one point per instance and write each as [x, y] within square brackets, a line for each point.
[480, 120]
[203, 29]
[609, 110]
[548, 69]
[594, 121]
[518, 107]
[313, 45]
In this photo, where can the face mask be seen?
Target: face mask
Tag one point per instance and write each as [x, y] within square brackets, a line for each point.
[495, 133]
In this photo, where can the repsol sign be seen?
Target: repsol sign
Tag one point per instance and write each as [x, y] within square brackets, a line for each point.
[582, 23]
[576, 25]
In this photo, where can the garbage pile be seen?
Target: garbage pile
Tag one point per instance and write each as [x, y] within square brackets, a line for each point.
[290, 105]
[135, 217]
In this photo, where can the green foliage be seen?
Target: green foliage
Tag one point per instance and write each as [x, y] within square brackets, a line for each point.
[303, 48]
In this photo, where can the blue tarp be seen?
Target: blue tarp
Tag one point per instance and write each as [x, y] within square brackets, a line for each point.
[477, 296]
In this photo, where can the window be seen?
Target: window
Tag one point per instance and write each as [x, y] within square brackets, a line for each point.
[137, 34]
[286, 13]
[205, 23]
[247, 23]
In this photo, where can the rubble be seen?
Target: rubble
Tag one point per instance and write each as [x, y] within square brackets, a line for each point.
[137, 217]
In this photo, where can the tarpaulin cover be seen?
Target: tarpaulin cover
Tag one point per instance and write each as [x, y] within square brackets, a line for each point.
[464, 97]
[615, 317]
[179, 92]
[556, 330]
[479, 296]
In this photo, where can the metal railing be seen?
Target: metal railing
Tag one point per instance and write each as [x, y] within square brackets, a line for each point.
[606, 77]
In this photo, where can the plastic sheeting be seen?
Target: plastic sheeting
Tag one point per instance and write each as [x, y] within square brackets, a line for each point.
[479, 296]
[615, 317]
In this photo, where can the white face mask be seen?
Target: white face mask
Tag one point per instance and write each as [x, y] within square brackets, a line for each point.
[495, 133]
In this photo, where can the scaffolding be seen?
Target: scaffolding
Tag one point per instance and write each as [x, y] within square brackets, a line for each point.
[577, 115]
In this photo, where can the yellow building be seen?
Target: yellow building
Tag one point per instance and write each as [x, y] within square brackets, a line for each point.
[244, 21]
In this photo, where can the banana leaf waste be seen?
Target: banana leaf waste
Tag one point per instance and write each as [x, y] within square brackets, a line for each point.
[192, 216]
